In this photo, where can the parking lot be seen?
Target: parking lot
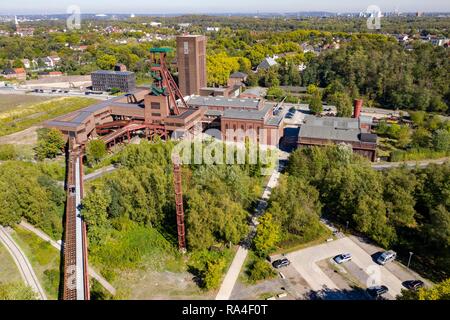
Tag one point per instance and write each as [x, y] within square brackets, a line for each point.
[348, 280]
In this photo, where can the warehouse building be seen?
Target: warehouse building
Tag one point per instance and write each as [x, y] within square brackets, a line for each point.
[323, 131]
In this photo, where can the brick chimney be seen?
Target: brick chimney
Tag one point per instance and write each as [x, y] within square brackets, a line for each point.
[358, 103]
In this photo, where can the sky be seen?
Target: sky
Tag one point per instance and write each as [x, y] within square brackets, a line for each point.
[217, 6]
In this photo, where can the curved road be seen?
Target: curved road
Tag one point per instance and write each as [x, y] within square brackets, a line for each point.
[25, 268]
[56, 245]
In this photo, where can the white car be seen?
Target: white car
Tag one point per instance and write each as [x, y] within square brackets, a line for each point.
[342, 258]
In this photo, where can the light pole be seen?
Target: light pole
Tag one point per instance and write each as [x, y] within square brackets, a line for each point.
[409, 260]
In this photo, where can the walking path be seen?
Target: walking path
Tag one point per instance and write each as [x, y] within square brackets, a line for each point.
[233, 272]
[408, 164]
[56, 245]
[25, 268]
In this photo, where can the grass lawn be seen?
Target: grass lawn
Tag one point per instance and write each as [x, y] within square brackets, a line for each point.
[43, 257]
[15, 101]
[19, 118]
[8, 269]
[294, 243]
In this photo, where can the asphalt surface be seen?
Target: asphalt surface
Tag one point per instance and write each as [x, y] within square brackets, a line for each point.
[305, 262]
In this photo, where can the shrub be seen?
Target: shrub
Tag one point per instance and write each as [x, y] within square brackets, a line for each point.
[7, 152]
[260, 270]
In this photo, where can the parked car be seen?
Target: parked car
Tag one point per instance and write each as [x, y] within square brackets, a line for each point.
[377, 291]
[414, 284]
[281, 263]
[386, 257]
[341, 258]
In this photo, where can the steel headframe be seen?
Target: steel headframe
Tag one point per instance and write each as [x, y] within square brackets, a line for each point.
[163, 82]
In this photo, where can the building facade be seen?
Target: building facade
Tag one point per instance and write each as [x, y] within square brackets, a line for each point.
[106, 80]
[191, 60]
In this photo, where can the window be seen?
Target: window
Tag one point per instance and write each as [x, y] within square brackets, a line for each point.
[156, 114]
[156, 105]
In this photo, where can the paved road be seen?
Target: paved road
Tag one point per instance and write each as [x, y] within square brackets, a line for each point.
[233, 272]
[305, 262]
[25, 268]
[56, 245]
[409, 164]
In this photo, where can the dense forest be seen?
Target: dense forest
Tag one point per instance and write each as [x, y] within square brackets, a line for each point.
[403, 209]
[386, 74]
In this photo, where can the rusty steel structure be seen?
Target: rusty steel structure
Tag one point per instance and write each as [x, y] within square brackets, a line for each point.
[76, 279]
[179, 204]
[163, 82]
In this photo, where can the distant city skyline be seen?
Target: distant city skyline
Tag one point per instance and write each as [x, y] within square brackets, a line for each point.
[218, 6]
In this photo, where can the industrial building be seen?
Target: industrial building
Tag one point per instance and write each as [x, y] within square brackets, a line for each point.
[356, 131]
[164, 109]
[105, 80]
[191, 60]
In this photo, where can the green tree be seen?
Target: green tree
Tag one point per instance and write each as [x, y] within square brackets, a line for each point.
[51, 143]
[441, 140]
[95, 151]
[260, 270]
[315, 103]
[106, 61]
[275, 93]
[343, 104]
[421, 138]
[441, 291]
[268, 234]
[219, 67]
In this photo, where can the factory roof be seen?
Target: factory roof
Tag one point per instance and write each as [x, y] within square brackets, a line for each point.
[247, 114]
[107, 72]
[329, 133]
[337, 129]
[223, 102]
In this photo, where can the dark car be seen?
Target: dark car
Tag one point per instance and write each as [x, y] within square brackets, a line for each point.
[281, 263]
[414, 284]
[290, 115]
[377, 291]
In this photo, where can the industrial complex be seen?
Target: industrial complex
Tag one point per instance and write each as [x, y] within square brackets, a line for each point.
[168, 107]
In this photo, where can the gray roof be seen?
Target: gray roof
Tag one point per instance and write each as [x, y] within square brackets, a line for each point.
[275, 121]
[239, 75]
[257, 91]
[333, 122]
[120, 73]
[267, 63]
[247, 114]
[223, 102]
[334, 129]
[329, 133]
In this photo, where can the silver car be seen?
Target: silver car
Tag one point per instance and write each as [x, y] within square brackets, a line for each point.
[386, 257]
[342, 258]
